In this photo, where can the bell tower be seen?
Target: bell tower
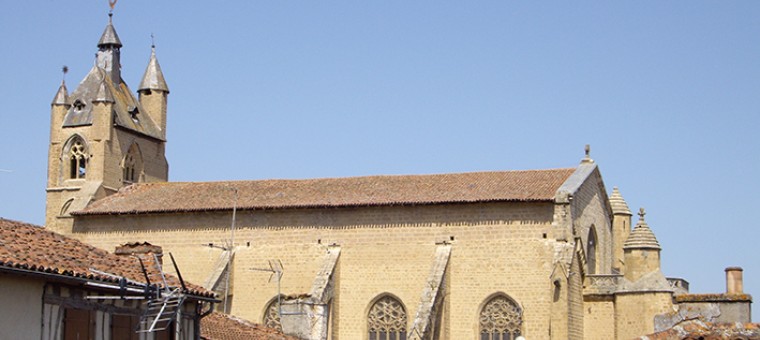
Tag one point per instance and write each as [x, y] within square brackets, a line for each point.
[102, 138]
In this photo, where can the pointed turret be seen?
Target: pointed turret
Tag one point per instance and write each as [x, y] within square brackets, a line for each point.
[153, 92]
[62, 96]
[109, 37]
[153, 79]
[621, 227]
[642, 251]
[642, 237]
[109, 54]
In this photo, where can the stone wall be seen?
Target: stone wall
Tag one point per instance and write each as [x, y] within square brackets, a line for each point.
[496, 248]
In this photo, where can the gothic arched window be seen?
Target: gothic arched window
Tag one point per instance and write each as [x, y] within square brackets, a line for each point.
[500, 319]
[272, 315]
[591, 251]
[387, 320]
[76, 156]
[132, 165]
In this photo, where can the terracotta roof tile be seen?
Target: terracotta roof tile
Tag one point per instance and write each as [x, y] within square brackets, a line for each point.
[33, 248]
[218, 326]
[698, 329]
[527, 185]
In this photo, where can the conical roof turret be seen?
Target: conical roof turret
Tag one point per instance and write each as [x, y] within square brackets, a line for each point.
[641, 237]
[62, 96]
[109, 37]
[618, 204]
[153, 79]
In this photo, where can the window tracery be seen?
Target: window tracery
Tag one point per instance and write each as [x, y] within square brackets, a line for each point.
[77, 157]
[500, 319]
[272, 315]
[387, 320]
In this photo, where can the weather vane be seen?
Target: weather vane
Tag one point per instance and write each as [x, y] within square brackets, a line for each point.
[112, 3]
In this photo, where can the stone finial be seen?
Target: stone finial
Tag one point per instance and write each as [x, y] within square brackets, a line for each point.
[641, 236]
[618, 204]
[587, 158]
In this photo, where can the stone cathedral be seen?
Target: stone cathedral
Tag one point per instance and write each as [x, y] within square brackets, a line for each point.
[537, 254]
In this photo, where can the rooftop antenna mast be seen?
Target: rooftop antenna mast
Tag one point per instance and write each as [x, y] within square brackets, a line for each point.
[275, 267]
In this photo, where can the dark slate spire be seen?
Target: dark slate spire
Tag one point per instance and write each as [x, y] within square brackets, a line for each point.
[109, 37]
[109, 52]
[153, 79]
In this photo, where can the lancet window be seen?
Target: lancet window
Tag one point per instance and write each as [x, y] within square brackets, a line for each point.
[591, 251]
[500, 319]
[387, 320]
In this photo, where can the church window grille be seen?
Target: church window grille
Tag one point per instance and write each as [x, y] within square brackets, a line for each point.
[77, 159]
[387, 320]
[272, 315]
[500, 319]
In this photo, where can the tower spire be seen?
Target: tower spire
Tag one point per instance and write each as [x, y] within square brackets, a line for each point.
[109, 52]
[153, 78]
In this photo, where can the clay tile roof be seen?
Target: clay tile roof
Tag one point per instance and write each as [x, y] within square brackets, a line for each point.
[526, 185]
[218, 326]
[27, 247]
[697, 329]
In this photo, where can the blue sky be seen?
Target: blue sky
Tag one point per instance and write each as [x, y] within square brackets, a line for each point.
[666, 93]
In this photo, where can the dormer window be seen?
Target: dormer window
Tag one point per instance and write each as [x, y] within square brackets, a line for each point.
[133, 112]
[78, 105]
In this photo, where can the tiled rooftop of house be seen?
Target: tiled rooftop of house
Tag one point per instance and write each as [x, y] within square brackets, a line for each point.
[697, 329]
[218, 326]
[34, 249]
[526, 185]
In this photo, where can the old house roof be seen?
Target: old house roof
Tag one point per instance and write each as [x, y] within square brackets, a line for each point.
[525, 185]
[32, 249]
[218, 326]
[698, 329]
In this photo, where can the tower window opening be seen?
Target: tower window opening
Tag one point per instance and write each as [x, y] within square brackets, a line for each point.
[78, 160]
[132, 165]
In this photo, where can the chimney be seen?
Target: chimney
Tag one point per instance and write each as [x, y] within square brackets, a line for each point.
[143, 250]
[734, 281]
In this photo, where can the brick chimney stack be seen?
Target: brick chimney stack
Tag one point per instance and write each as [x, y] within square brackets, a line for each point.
[734, 281]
